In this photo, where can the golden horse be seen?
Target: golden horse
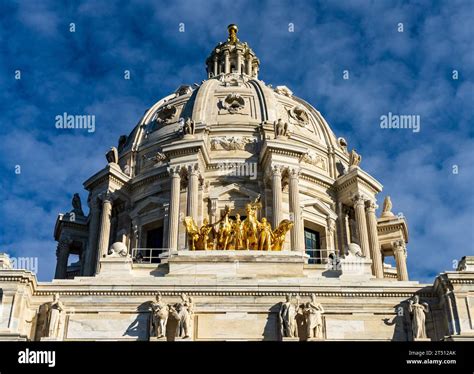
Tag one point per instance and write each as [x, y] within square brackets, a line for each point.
[279, 234]
[199, 239]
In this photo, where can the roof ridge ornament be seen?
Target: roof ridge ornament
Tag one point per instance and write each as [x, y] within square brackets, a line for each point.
[233, 29]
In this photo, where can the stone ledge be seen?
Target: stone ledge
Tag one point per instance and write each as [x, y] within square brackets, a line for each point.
[236, 263]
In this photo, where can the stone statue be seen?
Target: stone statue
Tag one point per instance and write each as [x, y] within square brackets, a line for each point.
[118, 249]
[281, 128]
[56, 309]
[287, 318]
[354, 159]
[313, 317]
[185, 312]
[387, 207]
[159, 316]
[354, 249]
[237, 233]
[77, 205]
[188, 127]
[265, 235]
[112, 156]
[418, 313]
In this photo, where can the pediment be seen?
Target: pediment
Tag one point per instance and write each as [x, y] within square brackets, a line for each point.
[147, 205]
[319, 208]
[233, 191]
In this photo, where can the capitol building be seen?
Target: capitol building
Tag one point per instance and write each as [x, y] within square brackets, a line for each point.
[233, 212]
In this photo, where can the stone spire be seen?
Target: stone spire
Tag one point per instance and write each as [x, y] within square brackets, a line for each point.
[232, 56]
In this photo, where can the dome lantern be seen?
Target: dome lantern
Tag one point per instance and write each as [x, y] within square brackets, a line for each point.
[232, 56]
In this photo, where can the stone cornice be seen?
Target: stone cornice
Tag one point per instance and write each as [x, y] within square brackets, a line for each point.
[112, 173]
[281, 148]
[358, 176]
[18, 276]
[202, 291]
[186, 147]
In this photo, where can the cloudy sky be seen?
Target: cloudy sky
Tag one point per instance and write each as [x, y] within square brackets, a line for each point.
[82, 72]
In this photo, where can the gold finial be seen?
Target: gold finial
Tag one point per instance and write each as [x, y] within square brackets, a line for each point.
[232, 33]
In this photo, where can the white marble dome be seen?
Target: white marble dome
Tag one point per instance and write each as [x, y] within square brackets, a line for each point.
[234, 104]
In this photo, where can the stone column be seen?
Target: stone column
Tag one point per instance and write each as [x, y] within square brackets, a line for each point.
[215, 66]
[174, 209]
[347, 227]
[213, 217]
[249, 65]
[377, 266]
[226, 62]
[297, 232]
[400, 254]
[104, 235]
[239, 61]
[277, 196]
[330, 231]
[359, 207]
[193, 183]
[94, 215]
[62, 254]
[342, 235]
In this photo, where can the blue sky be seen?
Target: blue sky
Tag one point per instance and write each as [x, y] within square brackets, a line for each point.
[82, 72]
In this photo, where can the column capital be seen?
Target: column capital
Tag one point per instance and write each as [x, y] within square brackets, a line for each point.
[93, 202]
[294, 173]
[359, 199]
[174, 171]
[276, 170]
[371, 206]
[399, 246]
[107, 196]
[193, 169]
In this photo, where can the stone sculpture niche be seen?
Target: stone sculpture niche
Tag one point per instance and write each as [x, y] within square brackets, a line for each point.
[301, 321]
[171, 321]
[51, 320]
